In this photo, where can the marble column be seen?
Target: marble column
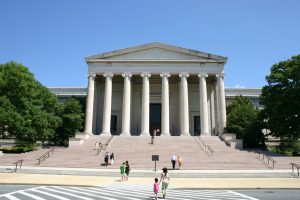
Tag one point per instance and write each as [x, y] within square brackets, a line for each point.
[165, 123]
[107, 105]
[90, 105]
[184, 105]
[145, 104]
[222, 104]
[203, 104]
[126, 104]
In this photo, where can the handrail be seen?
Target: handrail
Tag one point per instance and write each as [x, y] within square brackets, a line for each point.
[17, 163]
[206, 148]
[44, 156]
[266, 160]
[294, 165]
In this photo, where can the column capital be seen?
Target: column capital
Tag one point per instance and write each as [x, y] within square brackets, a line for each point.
[91, 75]
[202, 75]
[145, 74]
[165, 74]
[184, 74]
[108, 75]
[221, 75]
[127, 74]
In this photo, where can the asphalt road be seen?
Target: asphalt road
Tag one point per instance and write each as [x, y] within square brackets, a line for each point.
[40, 192]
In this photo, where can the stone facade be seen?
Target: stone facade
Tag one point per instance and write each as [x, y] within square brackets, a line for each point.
[155, 86]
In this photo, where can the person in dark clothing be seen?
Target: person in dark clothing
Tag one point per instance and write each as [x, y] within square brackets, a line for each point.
[127, 170]
[106, 157]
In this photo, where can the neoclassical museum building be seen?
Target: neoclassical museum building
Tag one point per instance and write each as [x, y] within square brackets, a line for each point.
[136, 90]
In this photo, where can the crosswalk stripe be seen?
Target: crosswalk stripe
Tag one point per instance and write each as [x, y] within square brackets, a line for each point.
[212, 194]
[88, 194]
[148, 193]
[67, 193]
[11, 197]
[252, 198]
[134, 192]
[49, 194]
[31, 195]
[116, 192]
[109, 191]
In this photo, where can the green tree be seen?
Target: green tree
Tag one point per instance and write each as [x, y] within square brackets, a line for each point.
[243, 120]
[28, 102]
[281, 99]
[71, 115]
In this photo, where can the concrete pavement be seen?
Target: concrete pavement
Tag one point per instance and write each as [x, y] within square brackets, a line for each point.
[204, 183]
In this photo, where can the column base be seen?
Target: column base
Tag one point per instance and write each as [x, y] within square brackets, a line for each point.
[105, 134]
[205, 134]
[165, 134]
[145, 134]
[125, 134]
[185, 134]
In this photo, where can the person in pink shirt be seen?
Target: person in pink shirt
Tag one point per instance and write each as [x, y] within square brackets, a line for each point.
[155, 187]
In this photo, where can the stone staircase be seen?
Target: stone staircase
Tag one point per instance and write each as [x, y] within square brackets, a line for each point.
[30, 158]
[138, 150]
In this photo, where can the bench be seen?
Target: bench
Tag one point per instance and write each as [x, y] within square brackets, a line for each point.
[295, 166]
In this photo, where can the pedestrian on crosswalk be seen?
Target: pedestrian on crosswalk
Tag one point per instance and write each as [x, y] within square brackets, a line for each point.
[164, 179]
[122, 171]
[155, 188]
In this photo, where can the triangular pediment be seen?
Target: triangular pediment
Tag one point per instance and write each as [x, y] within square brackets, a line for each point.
[156, 51]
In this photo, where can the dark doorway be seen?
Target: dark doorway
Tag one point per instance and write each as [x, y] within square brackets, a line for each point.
[155, 117]
[197, 126]
[113, 124]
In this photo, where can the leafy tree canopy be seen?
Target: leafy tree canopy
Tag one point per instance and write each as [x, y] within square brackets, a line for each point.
[281, 99]
[27, 108]
[72, 118]
[243, 120]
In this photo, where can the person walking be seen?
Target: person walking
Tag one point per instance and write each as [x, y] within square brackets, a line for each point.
[122, 171]
[97, 147]
[127, 170]
[164, 179]
[157, 132]
[173, 161]
[112, 158]
[179, 159]
[155, 188]
[106, 157]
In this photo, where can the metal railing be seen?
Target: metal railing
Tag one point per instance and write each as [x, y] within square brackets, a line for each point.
[44, 156]
[268, 161]
[19, 162]
[205, 147]
[294, 167]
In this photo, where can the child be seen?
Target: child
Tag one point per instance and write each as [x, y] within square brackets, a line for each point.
[155, 187]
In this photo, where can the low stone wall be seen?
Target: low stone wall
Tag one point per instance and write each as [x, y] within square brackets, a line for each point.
[230, 140]
[75, 142]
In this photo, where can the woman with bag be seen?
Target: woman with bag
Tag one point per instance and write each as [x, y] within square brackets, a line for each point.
[164, 178]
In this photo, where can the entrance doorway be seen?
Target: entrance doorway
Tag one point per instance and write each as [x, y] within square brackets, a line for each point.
[197, 126]
[113, 124]
[155, 117]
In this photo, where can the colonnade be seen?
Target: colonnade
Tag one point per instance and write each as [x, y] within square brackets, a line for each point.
[165, 124]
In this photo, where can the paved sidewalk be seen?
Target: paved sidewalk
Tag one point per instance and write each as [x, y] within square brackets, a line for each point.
[205, 183]
[151, 173]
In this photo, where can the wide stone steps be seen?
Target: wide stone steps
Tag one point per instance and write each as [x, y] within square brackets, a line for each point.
[139, 150]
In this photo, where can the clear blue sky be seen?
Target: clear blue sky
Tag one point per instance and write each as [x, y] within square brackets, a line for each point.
[53, 37]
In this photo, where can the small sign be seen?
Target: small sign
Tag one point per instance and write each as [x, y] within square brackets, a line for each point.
[155, 157]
